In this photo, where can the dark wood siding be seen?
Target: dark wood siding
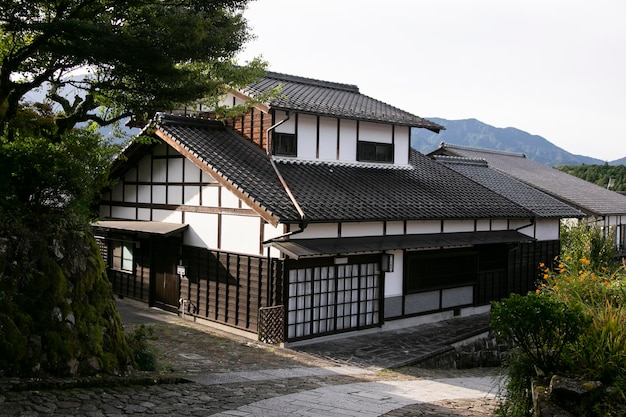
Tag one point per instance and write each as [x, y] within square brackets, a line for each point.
[229, 288]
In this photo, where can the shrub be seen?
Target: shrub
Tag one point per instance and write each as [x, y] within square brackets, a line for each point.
[143, 354]
[539, 326]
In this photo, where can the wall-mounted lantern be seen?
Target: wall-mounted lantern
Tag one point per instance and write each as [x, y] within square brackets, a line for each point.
[386, 262]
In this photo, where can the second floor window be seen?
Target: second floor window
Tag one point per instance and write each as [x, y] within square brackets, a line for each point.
[285, 144]
[375, 152]
[122, 258]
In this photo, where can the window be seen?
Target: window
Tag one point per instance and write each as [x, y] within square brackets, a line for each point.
[285, 144]
[123, 256]
[375, 152]
[441, 269]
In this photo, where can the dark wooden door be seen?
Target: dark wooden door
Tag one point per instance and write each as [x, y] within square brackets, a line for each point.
[166, 287]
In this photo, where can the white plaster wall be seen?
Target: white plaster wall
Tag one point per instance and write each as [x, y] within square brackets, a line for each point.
[395, 228]
[160, 149]
[328, 139]
[127, 213]
[547, 229]
[145, 168]
[499, 225]
[270, 232]
[483, 225]
[289, 126]
[104, 211]
[307, 136]
[158, 194]
[347, 140]
[175, 170]
[130, 193]
[229, 199]
[455, 226]
[210, 196]
[167, 216]
[143, 194]
[143, 214]
[174, 194]
[202, 230]
[117, 192]
[318, 230]
[191, 171]
[158, 170]
[375, 132]
[362, 229]
[423, 226]
[393, 280]
[241, 234]
[191, 196]
[402, 143]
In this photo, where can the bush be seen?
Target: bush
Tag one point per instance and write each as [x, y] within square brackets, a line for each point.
[143, 354]
[539, 326]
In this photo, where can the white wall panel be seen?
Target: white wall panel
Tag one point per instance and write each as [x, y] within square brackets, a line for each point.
[143, 193]
[158, 194]
[174, 194]
[175, 170]
[192, 172]
[455, 226]
[143, 214]
[167, 216]
[317, 230]
[191, 196]
[457, 297]
[393, 280]
[210, 196]
[130, 193]
[270, 232]
[375, 132]
[117, 193]
[160, 149]
[328, 139]
[241, 234]
[206, 178]
[229, 199]
[104, 211]
[307, 136]
[395, 228]
[402, 143]
[145, 168]
[123, 213]
[158, 170]
[131, 175]
[547, 229]
[499, 225]
[483, 225]
[289, 126]
[347, 140]
[414, 227]
[362, 229]
[202, 230]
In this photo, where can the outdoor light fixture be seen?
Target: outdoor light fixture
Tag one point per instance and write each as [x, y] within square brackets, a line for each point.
[386, 262]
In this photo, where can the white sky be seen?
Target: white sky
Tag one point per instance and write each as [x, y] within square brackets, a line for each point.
[555, 68]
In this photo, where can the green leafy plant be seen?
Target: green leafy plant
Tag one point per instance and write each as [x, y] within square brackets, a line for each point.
[539, 326]
[143, 353]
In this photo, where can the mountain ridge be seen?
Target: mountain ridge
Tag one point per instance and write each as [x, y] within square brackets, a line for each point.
[477, 134]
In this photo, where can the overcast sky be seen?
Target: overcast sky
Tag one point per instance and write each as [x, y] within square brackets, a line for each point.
[554, 68]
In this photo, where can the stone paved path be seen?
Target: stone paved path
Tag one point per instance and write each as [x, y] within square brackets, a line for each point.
[230, 376]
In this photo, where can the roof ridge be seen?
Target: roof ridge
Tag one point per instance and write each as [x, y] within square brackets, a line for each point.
[461, 160]
[173, 119]
[351, 164]
[312, 81]
[444, 145]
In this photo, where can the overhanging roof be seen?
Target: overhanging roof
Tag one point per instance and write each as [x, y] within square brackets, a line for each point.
[152, 228]
[302, 248]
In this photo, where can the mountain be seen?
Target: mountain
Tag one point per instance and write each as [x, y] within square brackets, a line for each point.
[474, 133]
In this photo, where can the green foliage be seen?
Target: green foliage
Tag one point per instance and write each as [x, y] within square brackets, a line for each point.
[517, 399]
[589, 242]
[539, 326]
[599, 174]
[143, 354]
[140, 56]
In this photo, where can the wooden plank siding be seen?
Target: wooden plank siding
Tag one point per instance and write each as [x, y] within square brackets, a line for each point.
[252, 125]
[229, 288]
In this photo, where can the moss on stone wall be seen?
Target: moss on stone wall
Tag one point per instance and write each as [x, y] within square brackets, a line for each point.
[60, 317]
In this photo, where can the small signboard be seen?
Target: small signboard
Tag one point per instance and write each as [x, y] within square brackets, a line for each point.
[180, 270]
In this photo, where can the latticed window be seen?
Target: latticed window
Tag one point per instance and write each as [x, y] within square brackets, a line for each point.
[122, 256]
[375, 152]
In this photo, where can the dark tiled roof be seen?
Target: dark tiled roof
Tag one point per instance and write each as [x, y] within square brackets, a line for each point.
[236, 160]
[542, 204]
[358, 192]
[333, 99]
[585, 196]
